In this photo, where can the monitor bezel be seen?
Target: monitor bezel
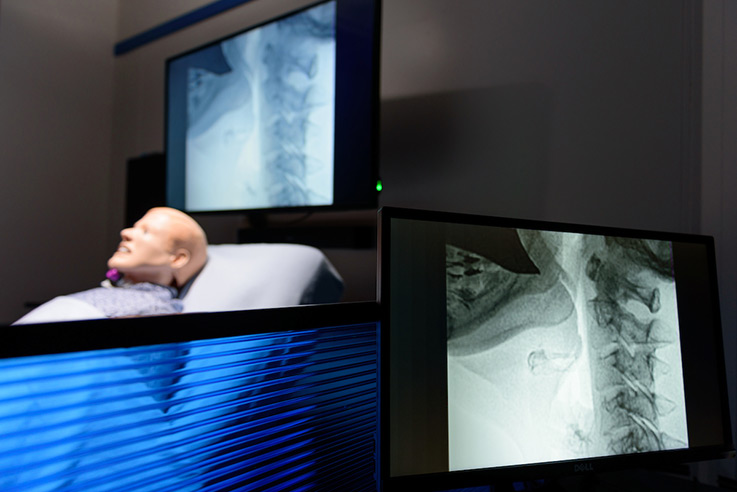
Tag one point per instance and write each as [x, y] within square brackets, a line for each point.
[113, 333]
[546, 470]
[358, 54]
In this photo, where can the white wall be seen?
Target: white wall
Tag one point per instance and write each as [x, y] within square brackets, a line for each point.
[55, 138]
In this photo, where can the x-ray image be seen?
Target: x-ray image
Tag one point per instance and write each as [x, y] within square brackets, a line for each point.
[260, 116]
[561, 346]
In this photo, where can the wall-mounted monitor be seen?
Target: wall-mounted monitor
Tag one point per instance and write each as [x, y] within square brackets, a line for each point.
[282, 115]
[517, 350]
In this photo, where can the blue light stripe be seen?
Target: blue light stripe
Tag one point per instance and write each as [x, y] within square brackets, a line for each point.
[206, 450]
[298, 406]
[272, 459]
[263, 456]
[65, 391]
[64, 440]
[346, 387]
[154, 406]
[176, 24]
[108, 356]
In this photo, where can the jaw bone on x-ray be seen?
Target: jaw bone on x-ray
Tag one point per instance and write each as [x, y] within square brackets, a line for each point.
[571, 353]
[260, 135]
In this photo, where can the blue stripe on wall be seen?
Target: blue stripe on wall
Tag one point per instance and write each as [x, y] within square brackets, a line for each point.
[174, 25]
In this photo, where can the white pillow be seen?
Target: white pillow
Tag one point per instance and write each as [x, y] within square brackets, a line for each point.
[236, 277]
[253, 276]
[62, 308]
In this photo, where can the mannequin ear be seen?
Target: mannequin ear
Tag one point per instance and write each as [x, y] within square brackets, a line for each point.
[180, 258]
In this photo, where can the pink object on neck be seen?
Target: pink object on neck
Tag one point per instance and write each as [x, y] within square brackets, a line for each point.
[113, 275]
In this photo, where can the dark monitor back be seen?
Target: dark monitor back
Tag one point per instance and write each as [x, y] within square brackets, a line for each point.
[145, 186]
[515, 349]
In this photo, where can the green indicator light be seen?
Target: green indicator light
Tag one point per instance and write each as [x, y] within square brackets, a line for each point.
[379, 186]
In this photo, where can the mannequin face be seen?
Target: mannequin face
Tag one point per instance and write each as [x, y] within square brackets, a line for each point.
[145, 252]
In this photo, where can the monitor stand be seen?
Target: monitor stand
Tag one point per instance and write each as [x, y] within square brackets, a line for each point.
[639, 480]
[340, 236]
[257, 220]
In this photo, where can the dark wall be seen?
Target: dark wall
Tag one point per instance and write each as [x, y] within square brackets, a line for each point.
[572, 111]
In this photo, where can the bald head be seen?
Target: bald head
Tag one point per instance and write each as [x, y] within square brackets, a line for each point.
[165, 246]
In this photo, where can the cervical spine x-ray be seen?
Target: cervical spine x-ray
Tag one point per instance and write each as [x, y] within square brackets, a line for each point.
[260, 128]
[567, 347]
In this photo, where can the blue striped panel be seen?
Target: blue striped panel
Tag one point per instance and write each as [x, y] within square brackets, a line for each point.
[281, 411]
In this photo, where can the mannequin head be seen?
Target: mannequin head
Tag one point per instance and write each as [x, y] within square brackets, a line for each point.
[165, 247]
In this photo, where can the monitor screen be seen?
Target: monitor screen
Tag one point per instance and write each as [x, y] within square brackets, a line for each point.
[276, 399]
[279, 116]
[516, 349]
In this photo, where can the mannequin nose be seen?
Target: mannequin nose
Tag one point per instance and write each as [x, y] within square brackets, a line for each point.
[125, 234]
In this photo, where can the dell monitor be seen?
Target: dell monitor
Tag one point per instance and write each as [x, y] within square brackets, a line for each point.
[519, 350]
[281, 116]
